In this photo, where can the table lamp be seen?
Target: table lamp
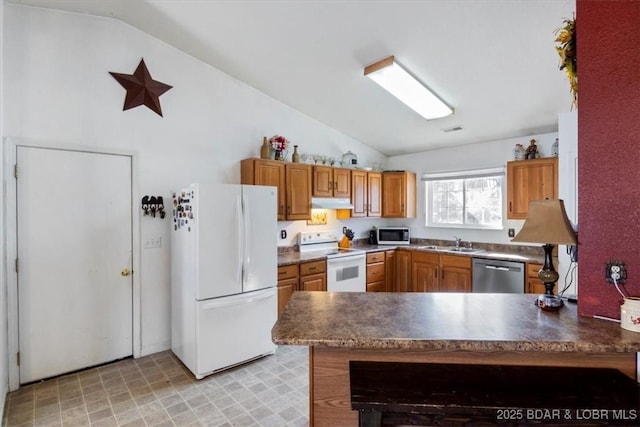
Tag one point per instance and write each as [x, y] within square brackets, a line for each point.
[547, 223]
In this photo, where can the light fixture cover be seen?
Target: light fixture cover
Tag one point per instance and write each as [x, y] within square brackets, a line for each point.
[397, 81]
[547, 222]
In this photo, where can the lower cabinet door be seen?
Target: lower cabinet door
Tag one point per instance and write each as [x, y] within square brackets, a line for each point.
[376, 287]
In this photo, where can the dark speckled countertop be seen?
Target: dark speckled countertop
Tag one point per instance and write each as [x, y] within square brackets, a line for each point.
[288, 258]
[450, 321]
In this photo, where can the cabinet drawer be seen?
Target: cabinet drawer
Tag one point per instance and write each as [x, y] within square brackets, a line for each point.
[376, 287]
[427, 257]
[532, 269]
[315, 267]
[456, 261]
[375, 272]
[288, 272]
[375, 257]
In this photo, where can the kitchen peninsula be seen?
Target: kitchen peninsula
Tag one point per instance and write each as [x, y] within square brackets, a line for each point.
[460, 328]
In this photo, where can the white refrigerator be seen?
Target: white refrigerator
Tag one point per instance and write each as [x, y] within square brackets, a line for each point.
[223, 275]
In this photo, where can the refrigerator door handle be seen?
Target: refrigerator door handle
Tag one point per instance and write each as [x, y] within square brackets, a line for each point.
[240, 237]
[246, 259]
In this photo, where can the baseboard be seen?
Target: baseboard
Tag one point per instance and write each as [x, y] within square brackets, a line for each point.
[156, 348]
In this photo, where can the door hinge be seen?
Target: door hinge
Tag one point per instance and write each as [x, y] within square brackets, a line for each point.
[15, 170]
[18, 358]
[17, 265]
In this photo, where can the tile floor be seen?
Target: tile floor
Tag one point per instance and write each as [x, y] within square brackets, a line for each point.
[157, 390]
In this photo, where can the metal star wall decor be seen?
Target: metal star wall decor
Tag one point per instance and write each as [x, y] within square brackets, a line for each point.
[141, 88]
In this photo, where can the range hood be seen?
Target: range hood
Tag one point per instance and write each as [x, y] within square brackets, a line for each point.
[330, 203]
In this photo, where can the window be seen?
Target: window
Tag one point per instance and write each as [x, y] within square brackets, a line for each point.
[470, 199]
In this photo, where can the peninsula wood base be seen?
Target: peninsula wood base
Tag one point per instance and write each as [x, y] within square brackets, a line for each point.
[329, 391]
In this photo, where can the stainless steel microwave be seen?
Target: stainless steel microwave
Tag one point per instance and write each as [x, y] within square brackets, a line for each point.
[393, 235]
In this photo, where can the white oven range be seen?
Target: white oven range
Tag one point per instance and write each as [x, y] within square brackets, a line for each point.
[346, 267]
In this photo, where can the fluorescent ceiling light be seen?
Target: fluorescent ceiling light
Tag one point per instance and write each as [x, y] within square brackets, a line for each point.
[397, 81]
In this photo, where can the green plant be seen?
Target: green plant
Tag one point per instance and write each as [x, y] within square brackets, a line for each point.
[566, 36]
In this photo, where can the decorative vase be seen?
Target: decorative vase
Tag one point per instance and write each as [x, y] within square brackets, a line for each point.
[295, 157]
[265, 149]
[279, 155]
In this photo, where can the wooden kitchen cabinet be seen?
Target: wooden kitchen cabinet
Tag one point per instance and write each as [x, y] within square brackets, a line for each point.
[432, 272]
[390, 270]
[398, 195]
[376, 277]
[313, 276]
[425, 272]
[528, 180]
[455, 273]
[287, 284]
[293, 181]
[403, 272]
[534, 284]
[298, 187]
[266, 172]
[331, 182]
[366, 194]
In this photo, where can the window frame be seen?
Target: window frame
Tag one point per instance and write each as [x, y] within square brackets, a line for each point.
[429, 178]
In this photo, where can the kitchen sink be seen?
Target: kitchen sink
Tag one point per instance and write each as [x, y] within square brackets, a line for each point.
[451, 249]
[463, 250]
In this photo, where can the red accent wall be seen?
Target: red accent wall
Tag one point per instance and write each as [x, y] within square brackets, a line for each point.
[608, 40]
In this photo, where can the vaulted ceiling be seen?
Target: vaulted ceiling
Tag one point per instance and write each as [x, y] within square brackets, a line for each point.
[492, 60]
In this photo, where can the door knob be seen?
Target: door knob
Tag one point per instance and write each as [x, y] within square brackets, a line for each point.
[125, 272]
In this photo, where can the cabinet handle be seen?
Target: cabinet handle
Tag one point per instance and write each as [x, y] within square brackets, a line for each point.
[280, 273]
[288, 210]
[281, 211]
[312, 268]
[510, 208]
[435, 273]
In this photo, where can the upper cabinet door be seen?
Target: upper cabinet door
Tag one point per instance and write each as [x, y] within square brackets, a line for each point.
[359, 193]
[399, 195]
[529, 180]
[331, 182]
[374, 194]
[322, 181]
[341, 183]
[298, 184]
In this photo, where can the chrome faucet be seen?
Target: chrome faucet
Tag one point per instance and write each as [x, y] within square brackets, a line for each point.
[458, 240]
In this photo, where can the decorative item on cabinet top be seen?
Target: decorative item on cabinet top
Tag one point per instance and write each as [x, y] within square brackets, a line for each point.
[153, 204]
[280, 144]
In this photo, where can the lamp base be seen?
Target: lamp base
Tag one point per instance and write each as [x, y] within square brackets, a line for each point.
[548, 302]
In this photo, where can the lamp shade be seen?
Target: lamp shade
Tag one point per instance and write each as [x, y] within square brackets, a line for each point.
[547, 223]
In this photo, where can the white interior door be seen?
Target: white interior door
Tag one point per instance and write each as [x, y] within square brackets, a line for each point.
[74, 243]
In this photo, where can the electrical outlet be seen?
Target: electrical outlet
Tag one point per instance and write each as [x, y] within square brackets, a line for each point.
[511, 232]
[617, 270]
[283, 234]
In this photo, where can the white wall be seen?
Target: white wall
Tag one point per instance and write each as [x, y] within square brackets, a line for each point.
[58, 91]
[476, 156]
[4, 377]
[568, 191]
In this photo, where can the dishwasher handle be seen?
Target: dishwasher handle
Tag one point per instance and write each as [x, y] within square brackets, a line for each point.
[495, 267]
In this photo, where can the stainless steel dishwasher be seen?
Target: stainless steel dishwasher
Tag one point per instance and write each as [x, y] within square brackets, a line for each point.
[498, 276]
